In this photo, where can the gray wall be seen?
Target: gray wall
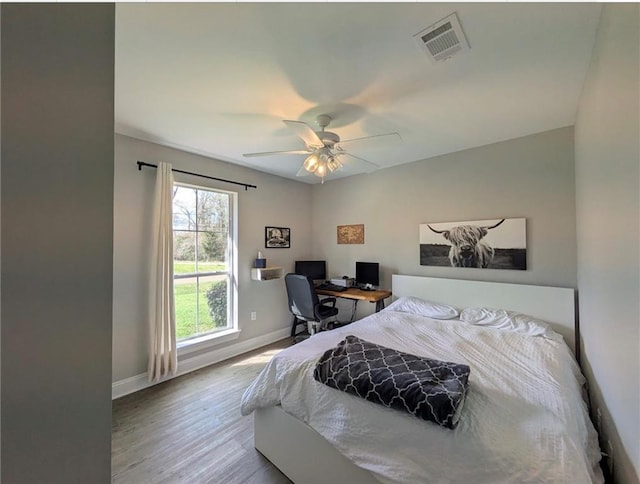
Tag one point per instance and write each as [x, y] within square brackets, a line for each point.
[0, 246]
[529, 177]
[277, 201]
[607, 206]
[57, 213]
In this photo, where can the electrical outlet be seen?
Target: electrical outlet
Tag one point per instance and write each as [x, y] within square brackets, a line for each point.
[254, 316]
[610, 457]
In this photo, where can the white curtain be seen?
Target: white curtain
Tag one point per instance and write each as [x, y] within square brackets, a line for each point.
[163, 357]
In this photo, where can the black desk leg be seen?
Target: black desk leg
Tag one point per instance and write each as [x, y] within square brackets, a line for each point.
[379, 305]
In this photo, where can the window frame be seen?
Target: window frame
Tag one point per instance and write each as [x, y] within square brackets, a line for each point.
[200, 342]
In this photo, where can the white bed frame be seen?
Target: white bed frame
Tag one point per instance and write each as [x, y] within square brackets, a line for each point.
[304, 456]
[555, 305]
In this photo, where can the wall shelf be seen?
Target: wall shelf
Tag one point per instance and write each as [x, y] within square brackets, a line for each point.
[266, 273]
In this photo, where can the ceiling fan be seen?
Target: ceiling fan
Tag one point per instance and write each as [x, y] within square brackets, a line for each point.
[324, 149]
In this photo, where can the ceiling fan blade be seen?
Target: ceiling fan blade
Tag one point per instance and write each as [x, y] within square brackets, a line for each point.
[370, 165]
[304, 131]
[375, 141]
[302, 172]
[269, 153]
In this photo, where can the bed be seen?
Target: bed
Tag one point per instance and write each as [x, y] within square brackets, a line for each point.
[523, 420]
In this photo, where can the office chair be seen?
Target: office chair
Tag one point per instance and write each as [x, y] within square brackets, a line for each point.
[305, 305]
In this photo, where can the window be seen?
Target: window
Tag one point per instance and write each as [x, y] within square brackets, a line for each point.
[203, 261]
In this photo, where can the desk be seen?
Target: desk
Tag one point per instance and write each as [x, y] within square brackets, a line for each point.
[356, 295]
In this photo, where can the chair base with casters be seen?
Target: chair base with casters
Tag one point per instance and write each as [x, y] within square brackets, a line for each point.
[306, 307]
[313, 327]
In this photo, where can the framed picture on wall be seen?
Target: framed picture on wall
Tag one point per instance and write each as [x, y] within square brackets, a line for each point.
[351, 234]
[480, 244]
[277, 237]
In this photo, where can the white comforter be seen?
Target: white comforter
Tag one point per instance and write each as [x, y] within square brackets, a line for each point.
[523, 420]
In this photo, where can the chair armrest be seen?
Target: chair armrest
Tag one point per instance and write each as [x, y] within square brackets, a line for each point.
[323, 311]
[331, 300]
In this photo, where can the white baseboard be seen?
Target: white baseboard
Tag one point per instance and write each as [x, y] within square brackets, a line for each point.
[135, 383]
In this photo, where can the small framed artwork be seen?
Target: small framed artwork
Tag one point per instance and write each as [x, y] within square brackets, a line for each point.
[351, 234]
[277, 237]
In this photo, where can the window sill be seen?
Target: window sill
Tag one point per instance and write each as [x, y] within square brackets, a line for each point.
[207, 341]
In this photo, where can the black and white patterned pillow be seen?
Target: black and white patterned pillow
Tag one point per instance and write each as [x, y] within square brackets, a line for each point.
[429, 389]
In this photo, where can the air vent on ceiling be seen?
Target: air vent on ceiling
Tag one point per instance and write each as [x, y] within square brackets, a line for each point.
[443, 39]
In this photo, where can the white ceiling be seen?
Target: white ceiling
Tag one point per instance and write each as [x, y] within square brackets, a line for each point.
[218, 78]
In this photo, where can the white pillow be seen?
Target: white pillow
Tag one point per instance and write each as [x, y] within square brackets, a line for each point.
[508, 320]
[415, 305]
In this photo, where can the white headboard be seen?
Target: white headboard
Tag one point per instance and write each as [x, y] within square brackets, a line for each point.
[555, 305]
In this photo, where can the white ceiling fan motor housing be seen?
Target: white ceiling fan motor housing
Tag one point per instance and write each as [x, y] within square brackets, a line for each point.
[328, 138]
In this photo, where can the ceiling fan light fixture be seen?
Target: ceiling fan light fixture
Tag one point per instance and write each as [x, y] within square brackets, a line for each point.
[311, 163]
[321, 171]
[333, 164]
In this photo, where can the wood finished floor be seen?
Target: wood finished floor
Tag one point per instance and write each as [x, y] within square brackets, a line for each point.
[189, 429]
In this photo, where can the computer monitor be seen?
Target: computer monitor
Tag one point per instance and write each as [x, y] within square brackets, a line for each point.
[367, 273]
[315, 269]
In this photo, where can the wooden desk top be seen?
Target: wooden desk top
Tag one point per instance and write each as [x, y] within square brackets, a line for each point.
[355, 293]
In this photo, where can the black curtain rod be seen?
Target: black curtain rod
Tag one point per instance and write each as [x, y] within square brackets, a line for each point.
[245, 185]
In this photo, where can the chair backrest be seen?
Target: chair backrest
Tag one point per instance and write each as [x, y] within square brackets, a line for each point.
[302, 296]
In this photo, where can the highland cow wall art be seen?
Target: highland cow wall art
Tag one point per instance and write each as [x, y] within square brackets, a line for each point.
[483, 244]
